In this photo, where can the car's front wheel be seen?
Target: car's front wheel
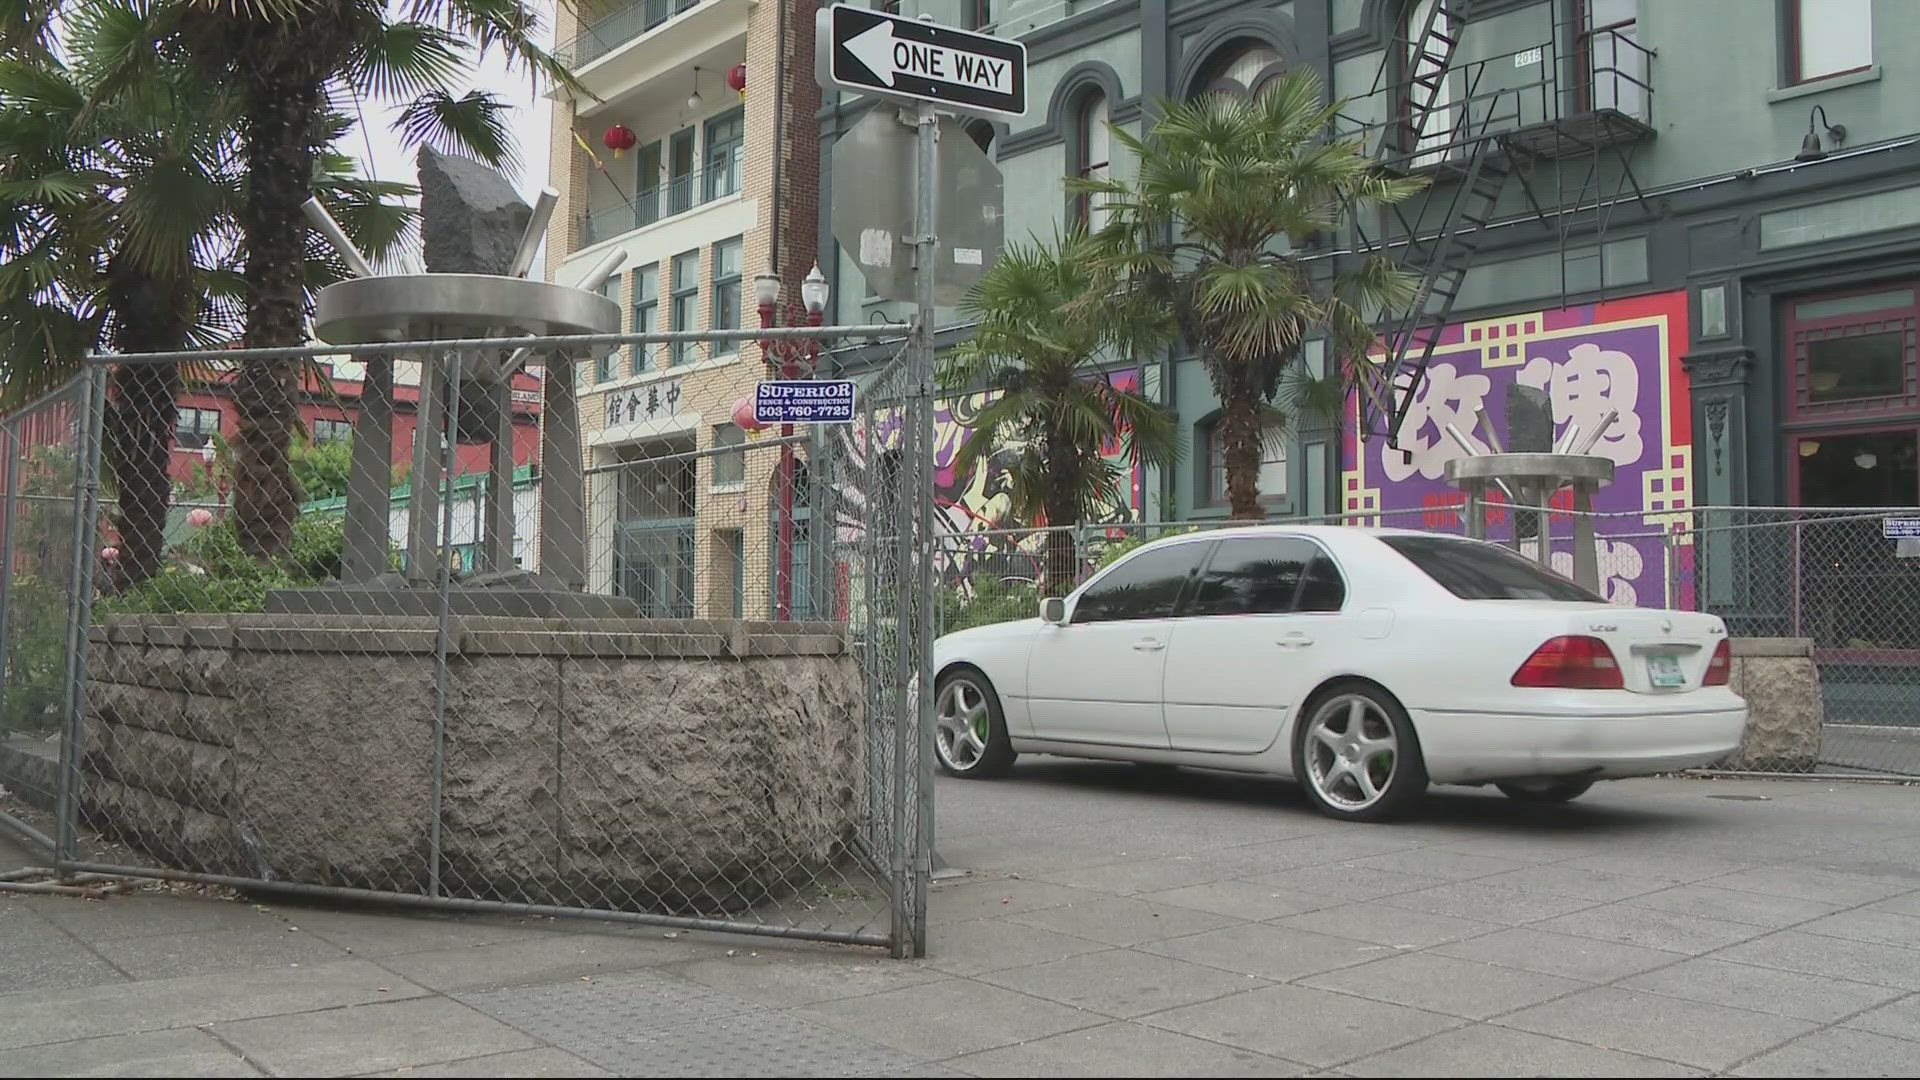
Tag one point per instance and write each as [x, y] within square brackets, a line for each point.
[1356, 754]
[1545, 791]
[970, 733]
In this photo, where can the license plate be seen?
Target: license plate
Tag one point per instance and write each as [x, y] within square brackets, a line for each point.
[1664, 671]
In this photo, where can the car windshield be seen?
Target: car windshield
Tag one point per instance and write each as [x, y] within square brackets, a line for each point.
[1472, 570]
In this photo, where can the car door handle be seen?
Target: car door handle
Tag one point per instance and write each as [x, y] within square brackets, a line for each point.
[1295, 641]
[1149, 645]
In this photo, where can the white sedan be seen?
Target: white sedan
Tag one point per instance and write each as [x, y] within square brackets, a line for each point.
[1366, 663]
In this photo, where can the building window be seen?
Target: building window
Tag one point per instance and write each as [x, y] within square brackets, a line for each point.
[724, 136]
[1273, 464]
[1246, 72]
[727, 256]
[686, 301]
[646, 313]
[729, 456]
[646, 187]
[609, 365]
[1828, 38]
[981, 133]
[332, 431]
[680, 172]
[194, 428]
[1093, 155]
[1854, 398]
[1613, 65]
[1427, 104]
[979, 14]
[654, 540]
[731, 550]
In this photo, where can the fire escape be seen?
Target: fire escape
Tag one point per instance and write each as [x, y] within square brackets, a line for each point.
[1570, 115]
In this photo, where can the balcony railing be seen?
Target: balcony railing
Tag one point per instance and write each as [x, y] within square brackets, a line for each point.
[619, 26]
[677, 196]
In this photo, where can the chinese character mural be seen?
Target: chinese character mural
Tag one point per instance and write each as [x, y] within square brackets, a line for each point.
[1619, 355]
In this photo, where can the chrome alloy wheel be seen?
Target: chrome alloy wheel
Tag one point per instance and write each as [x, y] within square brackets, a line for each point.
[962, 725]
[1351, 750]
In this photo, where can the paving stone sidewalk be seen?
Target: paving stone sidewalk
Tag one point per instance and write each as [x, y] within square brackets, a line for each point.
[1115, 923]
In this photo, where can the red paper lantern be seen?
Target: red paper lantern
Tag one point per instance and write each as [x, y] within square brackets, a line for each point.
[737, 79]
[619, 139]
[743, 415]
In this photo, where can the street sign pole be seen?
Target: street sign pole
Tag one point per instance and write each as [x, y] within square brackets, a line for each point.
[925, 262]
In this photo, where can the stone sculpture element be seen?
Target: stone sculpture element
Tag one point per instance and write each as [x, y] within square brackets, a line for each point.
[471, 219]
[1529, 420]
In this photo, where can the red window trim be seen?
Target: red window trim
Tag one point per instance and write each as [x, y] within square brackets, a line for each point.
[1794, 75]
[1905, 405]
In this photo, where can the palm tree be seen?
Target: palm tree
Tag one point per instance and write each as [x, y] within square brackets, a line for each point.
[1228, 192]
[118, 191]
[290, 64]
[1035, 341]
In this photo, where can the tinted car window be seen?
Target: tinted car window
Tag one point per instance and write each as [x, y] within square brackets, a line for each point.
[1323, 589]
[1144, 587]
[1252, 577]
[1475, 571]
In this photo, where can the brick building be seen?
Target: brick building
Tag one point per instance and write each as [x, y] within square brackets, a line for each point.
[705, 187]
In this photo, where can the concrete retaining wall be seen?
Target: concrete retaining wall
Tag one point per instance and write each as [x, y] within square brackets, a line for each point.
[673, 764]
[1778, 678]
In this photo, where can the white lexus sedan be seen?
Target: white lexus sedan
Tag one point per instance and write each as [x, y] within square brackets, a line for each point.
[1367, 663]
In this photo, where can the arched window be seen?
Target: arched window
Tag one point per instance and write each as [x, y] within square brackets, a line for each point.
[1093, 154]
[981, 133]
[1245, 70]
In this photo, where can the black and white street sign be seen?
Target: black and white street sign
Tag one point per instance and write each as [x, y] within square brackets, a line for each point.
[804, 401]
[872, 52]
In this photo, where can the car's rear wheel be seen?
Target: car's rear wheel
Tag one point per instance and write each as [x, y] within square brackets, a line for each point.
[1357, 755]
[1545, 791]
[970, 733]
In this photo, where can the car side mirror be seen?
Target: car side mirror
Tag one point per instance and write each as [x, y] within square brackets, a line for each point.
[1053, 610]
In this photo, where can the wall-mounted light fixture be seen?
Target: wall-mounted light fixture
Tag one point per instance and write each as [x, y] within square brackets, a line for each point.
[1811, 148]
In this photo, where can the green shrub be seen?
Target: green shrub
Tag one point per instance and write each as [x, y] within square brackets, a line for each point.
[993, 601]
[36, 660]
[320, 469]
[209, 573]
[1112, 553]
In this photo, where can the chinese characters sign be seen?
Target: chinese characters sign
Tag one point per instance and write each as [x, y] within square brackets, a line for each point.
[1618, 356]
[641, 404]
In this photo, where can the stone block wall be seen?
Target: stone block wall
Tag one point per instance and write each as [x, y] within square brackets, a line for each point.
[659, 765]
[1778, 678]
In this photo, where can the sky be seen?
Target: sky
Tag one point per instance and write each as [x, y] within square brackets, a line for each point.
[383, 157]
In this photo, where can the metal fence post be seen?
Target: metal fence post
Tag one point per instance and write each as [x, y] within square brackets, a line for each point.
[443, 615]
[10, 456]
[1795, 541]
[86, 494]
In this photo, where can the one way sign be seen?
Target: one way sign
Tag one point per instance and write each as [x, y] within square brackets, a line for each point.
[872, 52]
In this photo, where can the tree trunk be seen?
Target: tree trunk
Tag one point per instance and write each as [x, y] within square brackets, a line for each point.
[151, 315]
[1242, 438]
[1062, 506]
[139, 438]
[279, 130]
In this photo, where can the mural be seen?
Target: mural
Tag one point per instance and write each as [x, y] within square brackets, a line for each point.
[976, 508]
[1619, 354]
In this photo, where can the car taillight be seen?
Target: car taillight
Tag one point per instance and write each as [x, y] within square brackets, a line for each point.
[1720, 668]
[1571, 663]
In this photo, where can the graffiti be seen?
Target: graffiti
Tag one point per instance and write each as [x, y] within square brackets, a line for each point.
[1617, 356]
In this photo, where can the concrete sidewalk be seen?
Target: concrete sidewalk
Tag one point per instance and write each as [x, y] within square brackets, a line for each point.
[1116, 922]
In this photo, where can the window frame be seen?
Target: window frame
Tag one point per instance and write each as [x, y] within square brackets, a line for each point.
[342, 425]
[648, 198]
[681, 353]
[1201, 547]
[1084, 167]
[734, 164]
[607, 367]
[689, 181]
[1798, 332]
[1207, 434]
[646, 314]
[195, 431]
[1791, 19]
[724, 285]
[731, 451]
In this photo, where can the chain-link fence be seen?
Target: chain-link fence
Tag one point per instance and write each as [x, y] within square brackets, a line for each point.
[511, 635]
[1829, 578]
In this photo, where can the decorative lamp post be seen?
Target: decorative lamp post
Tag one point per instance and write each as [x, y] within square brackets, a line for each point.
[220, 481]
[788, 358]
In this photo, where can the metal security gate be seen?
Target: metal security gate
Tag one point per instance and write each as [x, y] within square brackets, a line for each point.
[645, 743]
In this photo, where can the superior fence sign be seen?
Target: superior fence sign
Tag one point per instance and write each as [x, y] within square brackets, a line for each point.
[804, 401]
[1900, 528]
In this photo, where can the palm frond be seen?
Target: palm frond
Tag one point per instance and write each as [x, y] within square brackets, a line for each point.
[474, 124]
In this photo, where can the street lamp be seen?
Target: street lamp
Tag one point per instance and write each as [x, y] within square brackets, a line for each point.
[206, 468]
[785, 358]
